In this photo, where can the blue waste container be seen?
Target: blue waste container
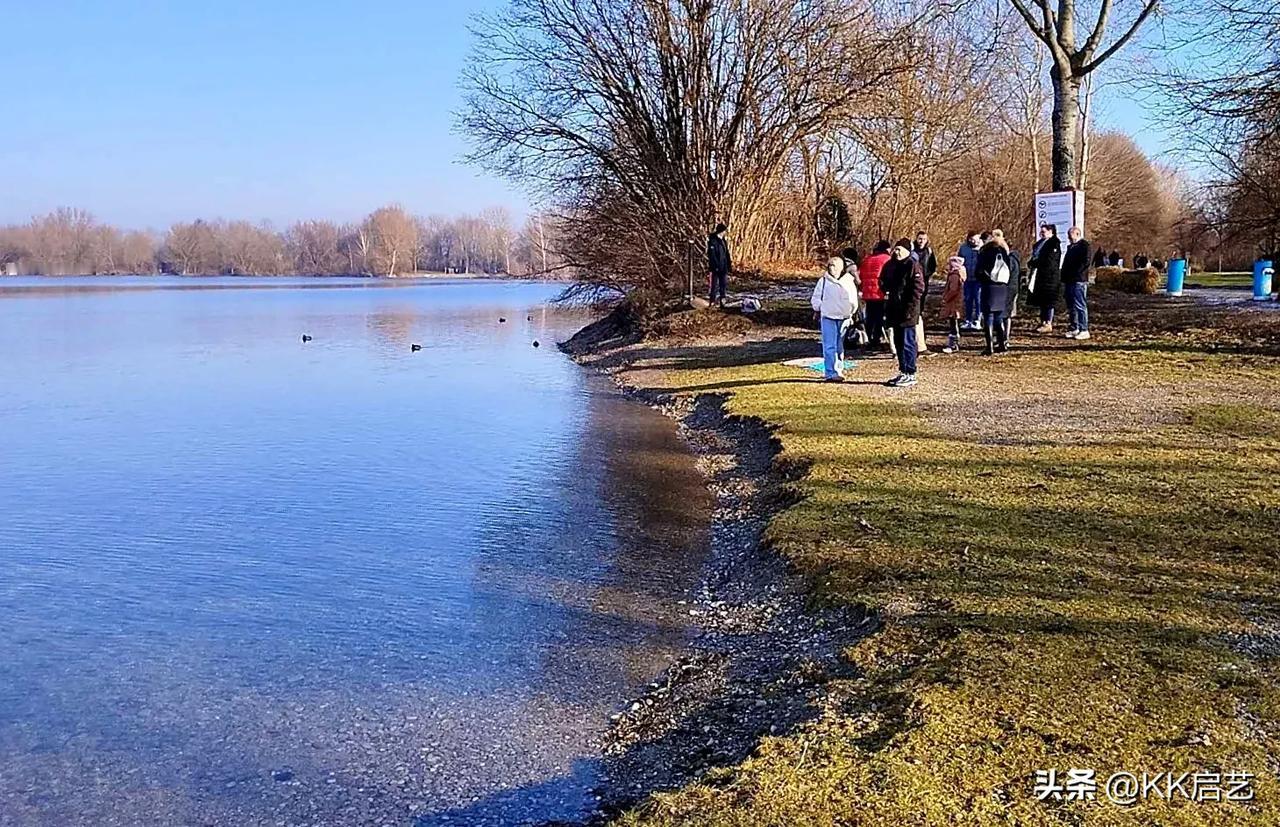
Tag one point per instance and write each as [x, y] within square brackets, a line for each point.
[1262, 275]
[1177, 275]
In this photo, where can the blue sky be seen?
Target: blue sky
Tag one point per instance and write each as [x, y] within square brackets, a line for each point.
[150, 112]
[147, 113]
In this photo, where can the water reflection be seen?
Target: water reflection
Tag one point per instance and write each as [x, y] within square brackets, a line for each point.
[249, 579]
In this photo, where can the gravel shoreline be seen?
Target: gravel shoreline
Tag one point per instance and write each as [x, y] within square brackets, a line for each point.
[762, 653]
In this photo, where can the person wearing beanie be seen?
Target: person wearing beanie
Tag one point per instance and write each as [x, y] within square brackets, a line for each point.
[902, 282]
[834, 301]
[719, 263]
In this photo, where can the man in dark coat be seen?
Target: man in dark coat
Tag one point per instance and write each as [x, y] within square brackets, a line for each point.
[923, 254]
[1075, 276]
[719, 262]
[902, 282]
[1046, 260]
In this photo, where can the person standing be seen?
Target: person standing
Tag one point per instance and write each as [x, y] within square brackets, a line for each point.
[835, 300]
[923, 253]
[902, 282]
[1075, 275]
[952, 311]
[719, 262]
[1046, 261]
[1011, 304]
[972, 289]
[872, 298]
[995, 271]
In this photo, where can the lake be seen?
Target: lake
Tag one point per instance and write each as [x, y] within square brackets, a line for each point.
[247, 579]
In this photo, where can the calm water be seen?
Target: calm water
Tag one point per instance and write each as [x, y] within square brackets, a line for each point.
[250, 580]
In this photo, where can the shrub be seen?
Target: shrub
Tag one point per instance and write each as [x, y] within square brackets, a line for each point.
[1149, 280]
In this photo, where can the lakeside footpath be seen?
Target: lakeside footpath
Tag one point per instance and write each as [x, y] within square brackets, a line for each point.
[1070, 553]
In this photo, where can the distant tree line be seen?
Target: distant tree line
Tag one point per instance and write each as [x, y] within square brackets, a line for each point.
[389, 241]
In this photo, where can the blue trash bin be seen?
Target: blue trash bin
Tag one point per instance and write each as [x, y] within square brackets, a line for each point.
[1262, 275]
[1177, 275]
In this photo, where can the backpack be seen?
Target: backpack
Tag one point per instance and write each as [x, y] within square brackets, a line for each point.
[1000, 271]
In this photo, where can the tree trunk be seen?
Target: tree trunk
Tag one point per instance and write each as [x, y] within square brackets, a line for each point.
[1066, 113]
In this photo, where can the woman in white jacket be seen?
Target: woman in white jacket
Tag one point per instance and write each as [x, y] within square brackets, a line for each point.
[835, 300]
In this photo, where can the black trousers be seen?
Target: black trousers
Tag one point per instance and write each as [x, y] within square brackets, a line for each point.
[719, 286]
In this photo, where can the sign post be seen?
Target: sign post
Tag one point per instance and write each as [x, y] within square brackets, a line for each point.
[1065, 209]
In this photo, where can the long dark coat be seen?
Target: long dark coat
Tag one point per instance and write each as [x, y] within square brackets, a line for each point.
[995, 297]
[1048, 266]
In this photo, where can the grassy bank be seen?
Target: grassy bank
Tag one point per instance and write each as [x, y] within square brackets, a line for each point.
[1074, 551]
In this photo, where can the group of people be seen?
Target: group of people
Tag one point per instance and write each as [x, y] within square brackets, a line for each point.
[882, 298]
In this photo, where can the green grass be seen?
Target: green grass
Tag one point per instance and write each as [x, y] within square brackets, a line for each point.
[1241, 280]
[1063, 603]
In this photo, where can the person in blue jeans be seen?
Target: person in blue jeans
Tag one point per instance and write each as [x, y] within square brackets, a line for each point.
[835, 300]
[972, 288]
[902, 282]
[1075, 276]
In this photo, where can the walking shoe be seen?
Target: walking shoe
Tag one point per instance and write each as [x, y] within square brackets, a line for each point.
[908, 381]
[1002, 348]
[1047, 327]
[1082, 335]
[897, 380]
[834, 379]
[1071, 334]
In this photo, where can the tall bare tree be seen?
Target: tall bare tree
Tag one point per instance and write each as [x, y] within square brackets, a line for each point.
[646, 121]
[394, 236]
[1054, 23]
[190, 248]
[1224, 85]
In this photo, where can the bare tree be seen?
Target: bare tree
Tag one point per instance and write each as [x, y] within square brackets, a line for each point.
[1224, 85]
[315, 248]
[191, 248]
[498, 235]
[394, 238]
[246, 249]
[645, 121]
[1072, 63]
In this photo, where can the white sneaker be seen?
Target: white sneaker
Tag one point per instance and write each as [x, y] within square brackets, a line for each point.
[1081, 336]
[908, 381]
[897, 380]
[1071, 334]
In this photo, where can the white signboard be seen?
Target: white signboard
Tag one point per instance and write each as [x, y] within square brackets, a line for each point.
[1065, 209]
